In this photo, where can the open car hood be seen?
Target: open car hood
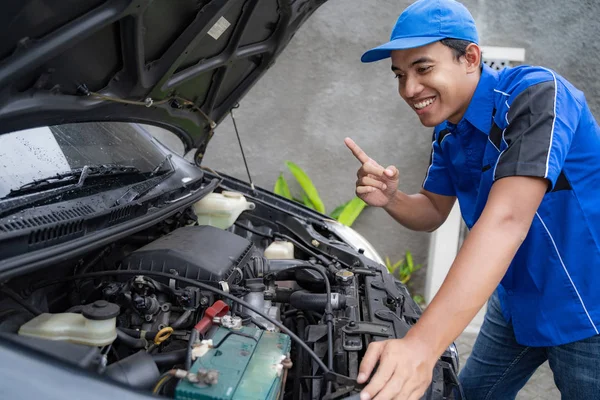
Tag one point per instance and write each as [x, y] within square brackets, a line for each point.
[180, 64]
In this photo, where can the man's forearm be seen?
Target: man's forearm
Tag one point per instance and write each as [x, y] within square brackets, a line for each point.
[478, 268]
[415, 212]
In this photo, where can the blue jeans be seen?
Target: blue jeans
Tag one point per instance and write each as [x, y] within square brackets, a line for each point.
[499, 367]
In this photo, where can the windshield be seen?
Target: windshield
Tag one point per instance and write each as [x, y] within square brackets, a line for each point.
[38, 153]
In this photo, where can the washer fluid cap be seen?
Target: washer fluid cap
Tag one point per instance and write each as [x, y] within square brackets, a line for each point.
[101, 310]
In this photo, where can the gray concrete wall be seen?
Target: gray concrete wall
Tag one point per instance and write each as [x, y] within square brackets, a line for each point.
[318, 92]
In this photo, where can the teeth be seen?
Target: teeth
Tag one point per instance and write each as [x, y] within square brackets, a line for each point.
[424, 103]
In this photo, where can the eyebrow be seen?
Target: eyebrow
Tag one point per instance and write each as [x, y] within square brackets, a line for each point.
[417, 61]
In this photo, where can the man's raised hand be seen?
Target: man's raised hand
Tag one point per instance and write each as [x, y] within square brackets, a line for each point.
[375, 185]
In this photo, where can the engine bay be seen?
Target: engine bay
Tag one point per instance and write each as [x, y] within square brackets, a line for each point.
[275, 306]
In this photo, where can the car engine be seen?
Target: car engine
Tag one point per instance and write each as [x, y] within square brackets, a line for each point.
[190, 311]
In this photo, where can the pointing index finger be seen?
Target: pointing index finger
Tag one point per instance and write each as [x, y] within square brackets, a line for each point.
[357, 151]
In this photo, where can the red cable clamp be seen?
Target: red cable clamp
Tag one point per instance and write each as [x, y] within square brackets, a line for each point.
[218, 309]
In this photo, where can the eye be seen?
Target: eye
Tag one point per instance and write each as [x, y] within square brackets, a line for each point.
[398, 76]
[424, 70]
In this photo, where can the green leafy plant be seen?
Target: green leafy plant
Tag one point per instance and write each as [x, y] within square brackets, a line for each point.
[351, 211]
[310, 191]
[420, 300]
[404, 269]
[345, 213]
[281, 187]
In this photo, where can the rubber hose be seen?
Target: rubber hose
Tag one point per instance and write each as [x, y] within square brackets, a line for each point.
[182, 319]
[170, 358]
[130, 341]
[136, 334]
[138, 370]
[303, 300]
[278, 265]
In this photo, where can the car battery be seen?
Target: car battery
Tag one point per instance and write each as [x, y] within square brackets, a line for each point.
[242, 364]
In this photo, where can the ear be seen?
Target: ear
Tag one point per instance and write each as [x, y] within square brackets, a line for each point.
[473, 58]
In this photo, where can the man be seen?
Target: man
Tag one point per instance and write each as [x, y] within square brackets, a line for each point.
[520, 150]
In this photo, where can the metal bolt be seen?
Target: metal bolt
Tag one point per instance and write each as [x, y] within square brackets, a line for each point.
[352, 324]
[204, 301]
[208, 377]
[315, 243]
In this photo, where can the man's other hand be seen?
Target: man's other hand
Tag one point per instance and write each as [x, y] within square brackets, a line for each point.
[404, 372]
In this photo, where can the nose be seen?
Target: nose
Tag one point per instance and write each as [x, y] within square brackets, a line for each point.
[411, 87]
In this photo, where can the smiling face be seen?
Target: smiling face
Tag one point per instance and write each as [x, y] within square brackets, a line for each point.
[435, 84]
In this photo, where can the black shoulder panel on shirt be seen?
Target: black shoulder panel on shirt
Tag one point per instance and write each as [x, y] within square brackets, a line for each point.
[442, 135]
[562, 183]
[431, 154]
[430, 158]
[529, 132]
[496, 135]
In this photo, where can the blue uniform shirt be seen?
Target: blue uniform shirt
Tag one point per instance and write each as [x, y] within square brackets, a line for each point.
[529, 121]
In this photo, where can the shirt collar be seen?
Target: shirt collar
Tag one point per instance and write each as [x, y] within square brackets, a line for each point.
[479, 112]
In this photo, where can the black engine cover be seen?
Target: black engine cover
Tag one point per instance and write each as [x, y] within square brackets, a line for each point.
[196, 252]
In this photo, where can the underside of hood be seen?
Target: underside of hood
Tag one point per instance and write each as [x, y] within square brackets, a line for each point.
[180, 64]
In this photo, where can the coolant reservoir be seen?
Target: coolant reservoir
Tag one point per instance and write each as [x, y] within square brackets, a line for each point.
[280, 250]
[96, 326]
[221, 209]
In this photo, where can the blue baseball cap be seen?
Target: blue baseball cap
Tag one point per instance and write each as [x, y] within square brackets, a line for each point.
[425, 22]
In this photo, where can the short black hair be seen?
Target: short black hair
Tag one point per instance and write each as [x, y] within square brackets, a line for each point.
[458, 46]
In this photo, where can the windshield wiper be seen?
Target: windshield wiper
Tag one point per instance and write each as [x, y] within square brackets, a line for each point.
[66, 179]
[161, 164]
[53, 187]
[140, 189]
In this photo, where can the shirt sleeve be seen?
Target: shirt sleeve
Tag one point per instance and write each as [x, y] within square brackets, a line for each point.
[437, 180]
[542, 120]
